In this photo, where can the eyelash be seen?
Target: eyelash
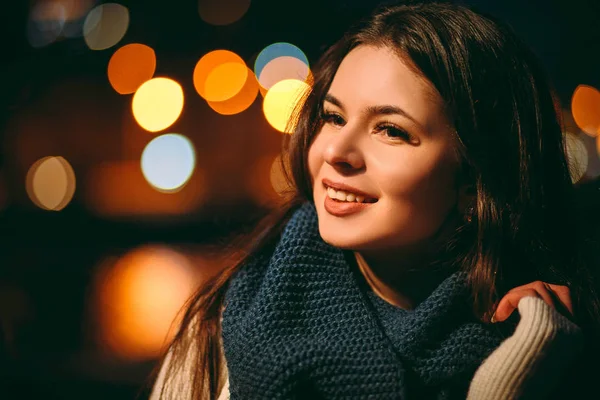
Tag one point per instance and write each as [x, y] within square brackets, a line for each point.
[331, 117]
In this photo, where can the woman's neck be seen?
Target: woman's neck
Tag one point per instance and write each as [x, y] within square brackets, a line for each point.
[402, 285]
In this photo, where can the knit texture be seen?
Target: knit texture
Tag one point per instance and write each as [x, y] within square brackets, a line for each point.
[530, 363]
[298, 323]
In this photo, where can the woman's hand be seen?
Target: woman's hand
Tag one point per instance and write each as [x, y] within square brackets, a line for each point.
[556, 296]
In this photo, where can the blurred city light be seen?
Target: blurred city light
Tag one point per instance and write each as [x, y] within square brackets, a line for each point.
[281, 101]
[222, 12]
[282, 68]
[241, 101]
[138, 300]
[275, 51]
[577, 156]
[105, 26]
[168, 162]
[46, 23]
[585, 106]
[220, 75]
[277, 177]
[266, 181]
[50, 183]
[130, 66]
[157, 104]
[225, 81]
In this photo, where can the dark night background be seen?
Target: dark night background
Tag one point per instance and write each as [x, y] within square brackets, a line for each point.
[56, 100]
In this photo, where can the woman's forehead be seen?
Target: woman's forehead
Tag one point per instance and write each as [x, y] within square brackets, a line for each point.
[377, 76]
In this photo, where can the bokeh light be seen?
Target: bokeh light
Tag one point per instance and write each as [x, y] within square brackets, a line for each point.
[577, 156]
[277, 177]
[241, 101]
[138, 298]
[168, 162]
[277, 50]
[281, 101]
[222, 12]
[266, 182]
[585, 106]
[157, 104]
[225, 81]
[130, 66]
[282, 68]
[46, 23]
[105, 26]
[220, 75]
[50, 183]
[77, 10]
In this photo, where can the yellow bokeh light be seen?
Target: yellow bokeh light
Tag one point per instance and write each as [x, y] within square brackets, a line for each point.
[216, 86]
[139, 297]
[51, 183]
[280, 103]
[585, 106]
[157, 104]
[241, 101]
[130, 66]
[105, 26]
[222, 12]
[225, 81]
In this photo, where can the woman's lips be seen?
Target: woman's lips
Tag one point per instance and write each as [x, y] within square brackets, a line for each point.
[342, 208]
[349, 189]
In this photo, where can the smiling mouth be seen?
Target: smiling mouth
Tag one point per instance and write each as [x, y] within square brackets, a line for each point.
[344, 196]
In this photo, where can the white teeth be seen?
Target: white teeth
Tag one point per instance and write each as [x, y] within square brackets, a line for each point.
[344, 196]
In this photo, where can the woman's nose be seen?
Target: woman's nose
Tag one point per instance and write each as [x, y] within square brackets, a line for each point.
[343, 150]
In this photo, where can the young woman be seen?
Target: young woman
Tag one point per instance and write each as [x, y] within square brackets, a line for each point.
[431, 178]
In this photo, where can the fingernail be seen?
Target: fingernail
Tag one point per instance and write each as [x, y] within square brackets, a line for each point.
[493, 319]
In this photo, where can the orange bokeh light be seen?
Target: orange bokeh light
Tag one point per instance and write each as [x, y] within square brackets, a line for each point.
[220, 75]
[585, 106]
[138, 300]
[130, 66]
[240, 101]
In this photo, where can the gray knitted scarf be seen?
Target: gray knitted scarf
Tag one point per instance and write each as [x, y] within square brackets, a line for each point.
[298, 323]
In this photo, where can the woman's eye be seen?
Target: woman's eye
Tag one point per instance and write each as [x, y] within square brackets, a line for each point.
[394, 132]
[333, 118]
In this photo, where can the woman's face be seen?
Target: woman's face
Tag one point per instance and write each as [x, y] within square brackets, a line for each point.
[385, 154]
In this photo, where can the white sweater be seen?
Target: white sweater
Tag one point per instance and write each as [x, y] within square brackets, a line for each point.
[537, 354]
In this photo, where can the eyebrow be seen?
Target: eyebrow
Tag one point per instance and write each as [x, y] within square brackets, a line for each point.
[374, 110]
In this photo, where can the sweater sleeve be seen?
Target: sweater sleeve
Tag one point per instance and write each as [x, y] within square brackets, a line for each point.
[527, 363]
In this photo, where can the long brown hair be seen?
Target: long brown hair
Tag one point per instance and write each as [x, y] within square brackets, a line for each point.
[508, 135]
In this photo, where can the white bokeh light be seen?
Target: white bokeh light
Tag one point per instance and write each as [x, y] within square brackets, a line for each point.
[168, 162]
